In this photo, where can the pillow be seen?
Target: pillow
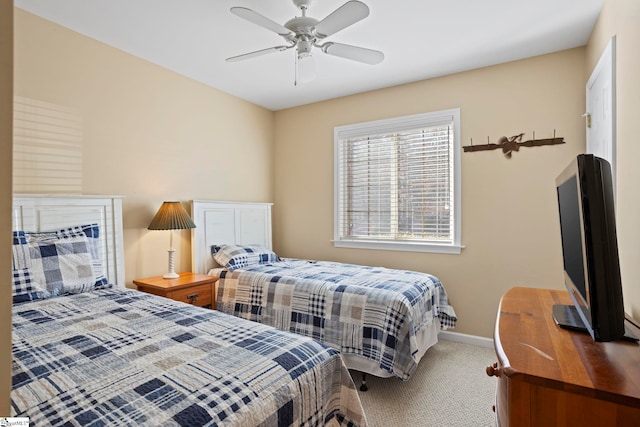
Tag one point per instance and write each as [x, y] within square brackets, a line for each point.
[235, 256]
[23, 286]
[64, 266]
[91, 231]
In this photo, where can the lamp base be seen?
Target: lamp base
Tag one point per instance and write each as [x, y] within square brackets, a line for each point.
[171, 274]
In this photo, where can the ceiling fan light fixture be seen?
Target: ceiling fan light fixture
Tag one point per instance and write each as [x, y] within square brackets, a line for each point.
[306, 68]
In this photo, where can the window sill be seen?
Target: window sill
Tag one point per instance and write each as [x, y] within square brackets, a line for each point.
[399, 246]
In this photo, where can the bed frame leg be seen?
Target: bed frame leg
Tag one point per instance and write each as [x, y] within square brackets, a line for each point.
[363, 384]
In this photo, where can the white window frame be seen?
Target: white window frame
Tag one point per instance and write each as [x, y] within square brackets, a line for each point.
[397, 124]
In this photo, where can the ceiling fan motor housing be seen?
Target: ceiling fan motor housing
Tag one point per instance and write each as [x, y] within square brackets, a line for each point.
[304, 38]
[301, 25]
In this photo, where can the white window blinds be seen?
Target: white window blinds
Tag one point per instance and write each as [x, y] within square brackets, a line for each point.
[396, 181]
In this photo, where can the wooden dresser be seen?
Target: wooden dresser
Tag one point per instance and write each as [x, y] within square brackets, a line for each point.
[549, 376]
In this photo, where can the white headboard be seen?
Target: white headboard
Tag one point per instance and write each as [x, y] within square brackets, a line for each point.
[219, 223]
[52, 212]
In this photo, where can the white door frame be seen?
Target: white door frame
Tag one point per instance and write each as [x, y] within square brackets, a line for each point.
[601, 108]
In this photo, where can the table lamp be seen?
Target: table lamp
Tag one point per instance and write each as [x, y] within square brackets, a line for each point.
[171, 216]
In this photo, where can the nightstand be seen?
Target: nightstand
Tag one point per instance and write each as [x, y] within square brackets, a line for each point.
[192, 288]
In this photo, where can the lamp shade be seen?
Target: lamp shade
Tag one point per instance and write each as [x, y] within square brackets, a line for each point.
[171, 216]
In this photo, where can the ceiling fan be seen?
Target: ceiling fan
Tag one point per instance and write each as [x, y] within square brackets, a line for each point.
[304, 33]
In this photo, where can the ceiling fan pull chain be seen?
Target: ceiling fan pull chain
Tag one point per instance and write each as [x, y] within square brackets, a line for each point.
[295, 72]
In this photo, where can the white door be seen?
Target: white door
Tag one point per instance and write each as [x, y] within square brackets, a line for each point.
[601, 108]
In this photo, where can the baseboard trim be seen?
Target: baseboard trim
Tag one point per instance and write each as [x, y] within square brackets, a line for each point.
[466, 339]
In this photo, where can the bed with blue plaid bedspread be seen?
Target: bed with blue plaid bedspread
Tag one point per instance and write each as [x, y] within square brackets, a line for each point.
[122, 357]
[374, 313]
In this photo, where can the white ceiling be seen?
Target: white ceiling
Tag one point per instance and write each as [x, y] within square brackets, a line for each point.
[420, 39]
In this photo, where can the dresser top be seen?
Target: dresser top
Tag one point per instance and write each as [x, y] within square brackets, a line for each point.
[531, 346]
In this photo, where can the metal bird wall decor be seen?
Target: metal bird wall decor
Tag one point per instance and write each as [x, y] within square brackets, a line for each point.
[510, 144]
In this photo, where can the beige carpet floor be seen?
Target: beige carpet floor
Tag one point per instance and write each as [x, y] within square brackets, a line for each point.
[449, 388]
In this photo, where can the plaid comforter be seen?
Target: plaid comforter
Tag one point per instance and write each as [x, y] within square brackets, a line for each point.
[118, 357]
[372, 312]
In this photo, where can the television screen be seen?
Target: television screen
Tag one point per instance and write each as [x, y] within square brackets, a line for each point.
[590, 250]
[569, 205]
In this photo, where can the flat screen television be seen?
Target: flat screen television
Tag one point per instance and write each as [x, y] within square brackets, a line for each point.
[590, 250]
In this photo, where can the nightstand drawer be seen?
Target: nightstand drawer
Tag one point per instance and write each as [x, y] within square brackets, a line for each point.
[197, 295]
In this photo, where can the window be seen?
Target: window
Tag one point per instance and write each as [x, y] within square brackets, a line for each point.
[397, 183]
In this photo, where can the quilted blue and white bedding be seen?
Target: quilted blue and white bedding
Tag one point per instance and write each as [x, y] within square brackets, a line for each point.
[372, 312]
[123, 357]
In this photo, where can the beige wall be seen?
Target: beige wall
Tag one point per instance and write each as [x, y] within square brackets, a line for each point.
[6, 131]
[621, 18]
[152, 135]
[509, 217]
[148, 134]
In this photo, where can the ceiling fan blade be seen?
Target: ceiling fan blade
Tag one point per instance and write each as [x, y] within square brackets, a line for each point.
[257, 53]
[347, 14]
[355, 53]
[260, 20]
